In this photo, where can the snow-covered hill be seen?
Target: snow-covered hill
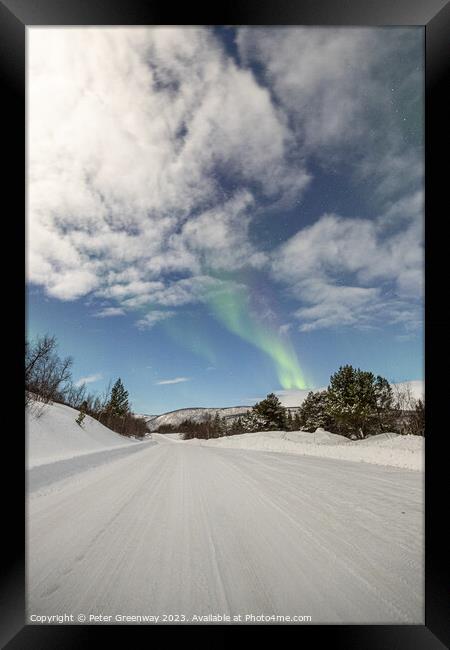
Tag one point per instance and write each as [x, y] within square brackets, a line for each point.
[56, 436]
[197, 414]
[416, 387]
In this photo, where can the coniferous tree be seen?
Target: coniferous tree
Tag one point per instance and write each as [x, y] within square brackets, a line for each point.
[355, 397]
[384, 404]
[118, 403]
[313, 412]
[270, 413]
[236, 427]
[252, 422]
[217, 426]
[82, 413]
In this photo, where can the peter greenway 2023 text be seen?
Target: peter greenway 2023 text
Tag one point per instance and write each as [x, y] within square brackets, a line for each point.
[167, 618]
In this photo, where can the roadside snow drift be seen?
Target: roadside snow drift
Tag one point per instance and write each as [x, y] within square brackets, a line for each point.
[56, 436]
[389, 449]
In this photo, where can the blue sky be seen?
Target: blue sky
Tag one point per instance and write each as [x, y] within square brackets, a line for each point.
[214, 214]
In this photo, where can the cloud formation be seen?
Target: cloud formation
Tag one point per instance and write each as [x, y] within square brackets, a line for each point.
[176, 380]
[107, 312]
[153, 155]
[152, 318]
[127, 145]
[348, 271]
[351, 94]
[89, 379]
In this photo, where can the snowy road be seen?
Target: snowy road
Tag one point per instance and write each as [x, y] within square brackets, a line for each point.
[181, 529]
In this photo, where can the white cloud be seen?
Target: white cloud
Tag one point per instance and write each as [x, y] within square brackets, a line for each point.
[90, 379]
[348, 271]
[349, 93]
[152, 318]
[151, 155]
[128, 145]
[106, 312]
[176, 380]
[285, 328]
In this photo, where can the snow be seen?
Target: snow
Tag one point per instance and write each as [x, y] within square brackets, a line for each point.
[175, 418]
[56, 436]
[198, 530]
[293, 398]
[388, 449]
[288, 398]
[416, 386]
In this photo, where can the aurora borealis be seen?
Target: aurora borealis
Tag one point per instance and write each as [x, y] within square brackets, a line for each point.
[219, 213]
[232, 308]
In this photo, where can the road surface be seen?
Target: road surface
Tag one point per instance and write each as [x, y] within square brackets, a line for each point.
[187, 531]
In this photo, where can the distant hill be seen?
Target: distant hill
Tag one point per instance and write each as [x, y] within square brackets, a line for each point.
[197, 414]
[416, 386]
[291, 399]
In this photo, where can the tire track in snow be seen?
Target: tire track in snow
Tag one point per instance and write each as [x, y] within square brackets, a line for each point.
[189, 529]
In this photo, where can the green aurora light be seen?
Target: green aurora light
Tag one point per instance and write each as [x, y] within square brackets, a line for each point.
[231, 307]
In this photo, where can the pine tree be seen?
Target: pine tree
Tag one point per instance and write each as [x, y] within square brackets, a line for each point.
[384, 400]
[118, 403]
[82, 413]
[313, 412]
[352, 399]
[270, 413]
[252, 422]
[236, 427]
[80, 418]
[217, 426]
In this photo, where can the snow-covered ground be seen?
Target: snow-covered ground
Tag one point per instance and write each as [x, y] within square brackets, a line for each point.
[384, 449]
[56, 436]
[194, 529]
[190, 531]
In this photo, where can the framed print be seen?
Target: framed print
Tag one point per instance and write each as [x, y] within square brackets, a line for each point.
[233, 390]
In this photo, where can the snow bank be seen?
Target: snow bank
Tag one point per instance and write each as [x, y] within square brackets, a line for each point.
[56, 436]
[384, 449]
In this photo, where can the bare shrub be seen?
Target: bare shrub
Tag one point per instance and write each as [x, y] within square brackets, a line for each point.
[410, 411]
[45, 372]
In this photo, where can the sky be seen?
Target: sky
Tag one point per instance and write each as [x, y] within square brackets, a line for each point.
[218, 213]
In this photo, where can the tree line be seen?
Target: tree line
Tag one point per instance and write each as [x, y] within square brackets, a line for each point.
[356, 404]
[48, 379]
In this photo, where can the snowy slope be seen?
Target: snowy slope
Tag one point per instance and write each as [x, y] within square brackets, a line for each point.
[55, 435]
[388, 449]
[197, 414]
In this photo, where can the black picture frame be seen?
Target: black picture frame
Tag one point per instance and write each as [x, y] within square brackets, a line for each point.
[434, 16]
